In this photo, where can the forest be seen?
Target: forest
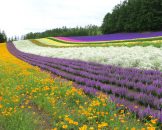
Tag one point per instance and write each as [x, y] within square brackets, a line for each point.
[134, 16]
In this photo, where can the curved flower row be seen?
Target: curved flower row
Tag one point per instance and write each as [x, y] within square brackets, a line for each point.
[106, 83]
[109, 37]
[148, 85]
[138, 57]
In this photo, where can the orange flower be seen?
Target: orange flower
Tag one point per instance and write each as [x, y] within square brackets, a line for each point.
[0, 98]
[54, 129]
[64, 126]
[154, 121]
[75, 123]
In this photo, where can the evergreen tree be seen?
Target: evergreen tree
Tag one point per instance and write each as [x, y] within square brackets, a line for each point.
[3, 37]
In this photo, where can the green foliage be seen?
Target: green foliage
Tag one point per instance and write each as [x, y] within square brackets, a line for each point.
[134, 16]
[3, 37]
[64, 31]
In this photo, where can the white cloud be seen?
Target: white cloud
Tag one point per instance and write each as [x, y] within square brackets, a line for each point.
[22, 16]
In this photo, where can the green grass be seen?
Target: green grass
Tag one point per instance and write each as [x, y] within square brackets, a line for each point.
[20, 120]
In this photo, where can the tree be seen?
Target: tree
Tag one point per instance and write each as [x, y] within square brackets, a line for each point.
[3, 37]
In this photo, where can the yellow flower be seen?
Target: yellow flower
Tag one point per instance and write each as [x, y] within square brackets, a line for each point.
[154, 121]
[29, 107]
[64, 126]
[22, 106]
[46, 88]
[133, 128]
[103, 124]
[122, 121]
[1, 106]
[104, 104]
[84, 127]
[122, 111]
[91, 128]
[71, 122]
[111, 119]
[151, 128]
[77, 101]
[95, 103]
[15, 99]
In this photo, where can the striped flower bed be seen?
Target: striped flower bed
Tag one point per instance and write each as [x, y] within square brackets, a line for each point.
[110, 37]
[138, 57]
[139, 90]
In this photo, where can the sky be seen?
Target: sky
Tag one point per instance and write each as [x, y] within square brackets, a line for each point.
[18, 17]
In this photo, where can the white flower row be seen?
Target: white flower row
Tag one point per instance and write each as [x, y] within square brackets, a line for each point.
[139, 57]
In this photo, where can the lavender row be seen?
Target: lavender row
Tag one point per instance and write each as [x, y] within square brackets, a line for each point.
[141, 98]
[117, 36]
[109, 79]
[145, 78]
[106, 69]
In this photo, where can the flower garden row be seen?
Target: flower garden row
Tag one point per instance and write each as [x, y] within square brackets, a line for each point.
[110, 37]
[138, 57]
[139, 90]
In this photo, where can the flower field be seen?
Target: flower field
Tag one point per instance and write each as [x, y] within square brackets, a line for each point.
[72, 84]
[139, 90]
[30, 97]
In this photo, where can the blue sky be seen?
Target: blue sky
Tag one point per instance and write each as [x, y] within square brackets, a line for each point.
[22, 16]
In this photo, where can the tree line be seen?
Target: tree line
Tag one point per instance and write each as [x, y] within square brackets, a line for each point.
[134, 16]
[64, 31]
